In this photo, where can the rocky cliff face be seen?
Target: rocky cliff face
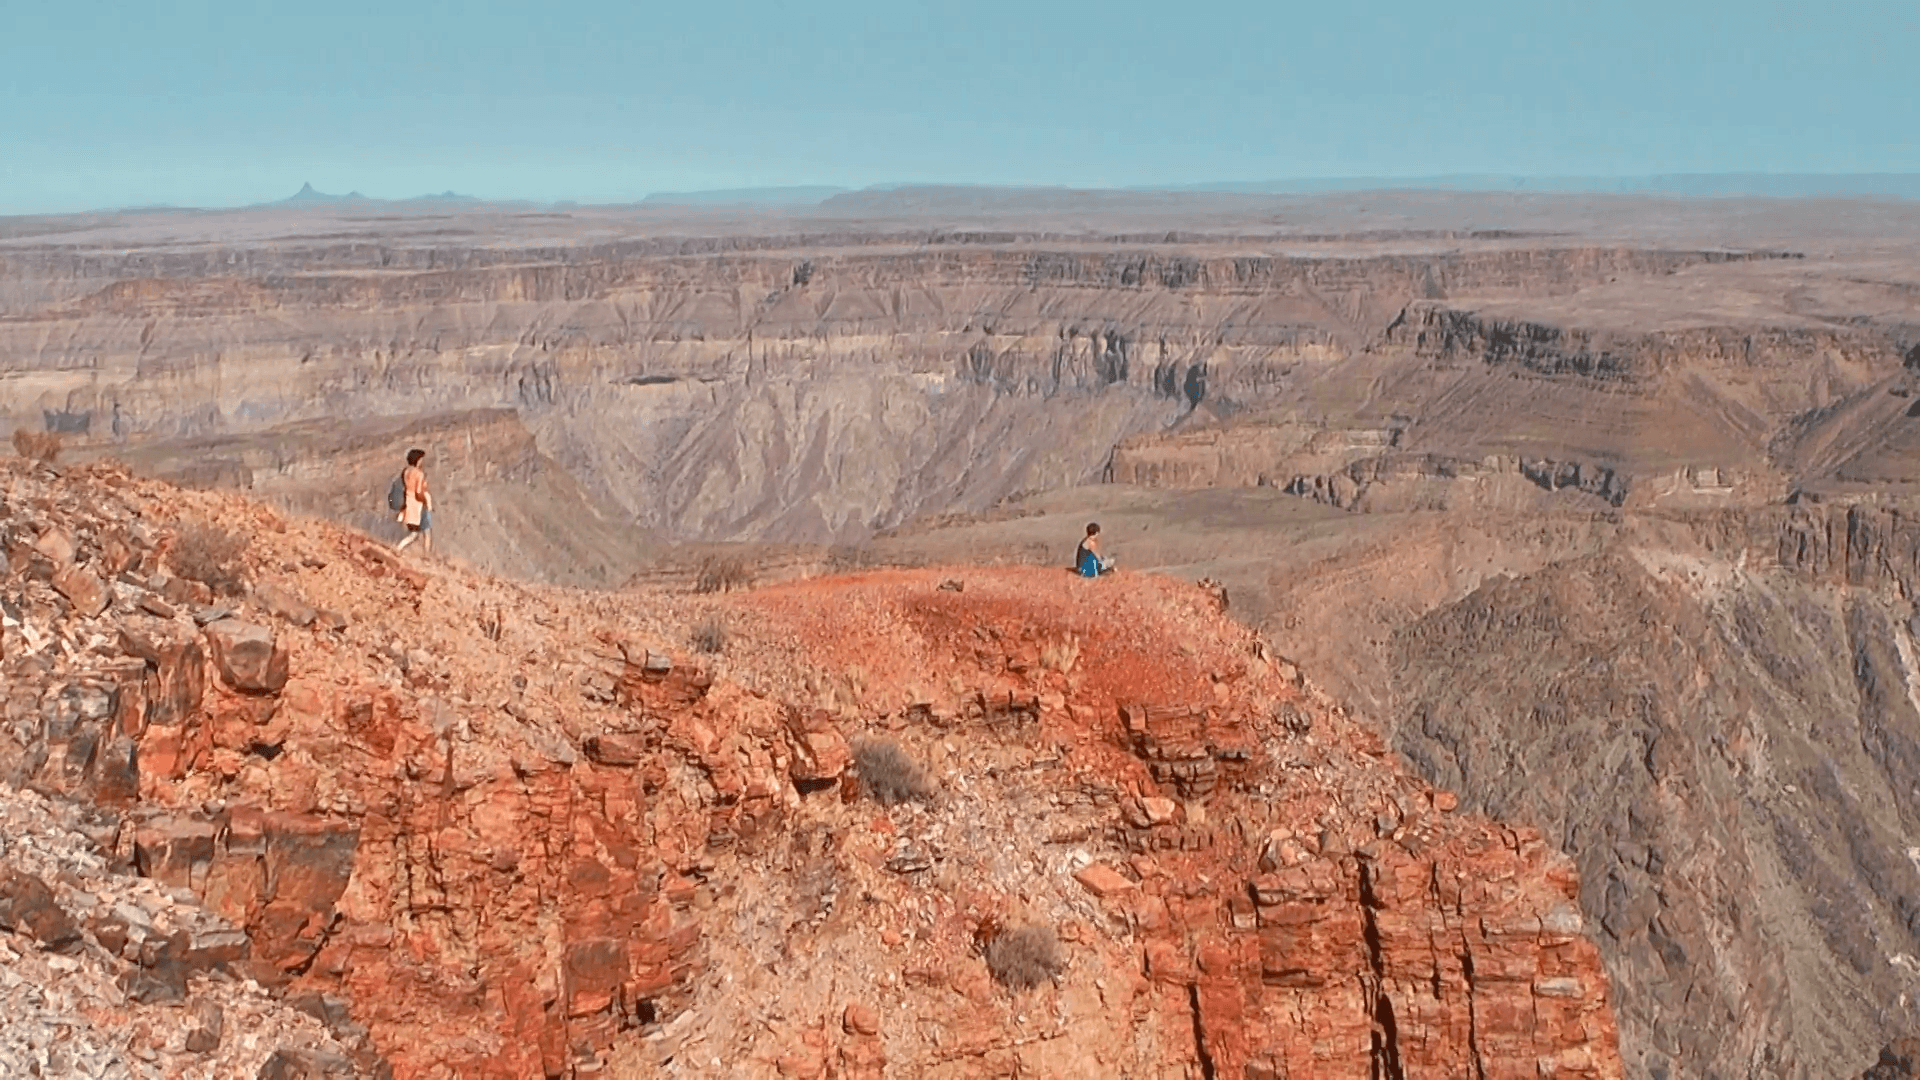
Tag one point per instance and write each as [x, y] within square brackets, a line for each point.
[1707, 386]
[1727, 778]
[496, 830]
[1748, 822]
[1443, 333]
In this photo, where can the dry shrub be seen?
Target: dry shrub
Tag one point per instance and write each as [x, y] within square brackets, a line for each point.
[722, 573]
[710, 636]
[1060, 655]
[1025, 956]
[37, 447]
[889, 774]
[213, 556]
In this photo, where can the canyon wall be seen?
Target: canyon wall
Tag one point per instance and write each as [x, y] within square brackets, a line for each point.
[811, 395]
[1712, 711]
[502, 506]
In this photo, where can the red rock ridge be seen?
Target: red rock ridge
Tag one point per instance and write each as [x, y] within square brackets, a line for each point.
[517, 832]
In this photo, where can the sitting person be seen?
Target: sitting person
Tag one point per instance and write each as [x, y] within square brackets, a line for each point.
[1088, 559]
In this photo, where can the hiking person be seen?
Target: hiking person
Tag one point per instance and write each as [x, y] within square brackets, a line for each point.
[1088, 559]
[416, 503]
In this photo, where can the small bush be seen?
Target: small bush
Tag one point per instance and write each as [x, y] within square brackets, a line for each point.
[720, 573]
[34, 446]
[1060, 655]
[1025, 956]
[710, 636]
[889, 775]
[212, 556]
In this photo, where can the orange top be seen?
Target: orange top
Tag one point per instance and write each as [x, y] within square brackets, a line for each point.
[418, 497]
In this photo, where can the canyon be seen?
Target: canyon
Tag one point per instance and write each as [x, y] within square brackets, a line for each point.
[1599, 511]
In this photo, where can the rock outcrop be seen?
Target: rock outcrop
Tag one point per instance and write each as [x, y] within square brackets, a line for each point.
[107, 973]
[1746, 652]
[490, 830]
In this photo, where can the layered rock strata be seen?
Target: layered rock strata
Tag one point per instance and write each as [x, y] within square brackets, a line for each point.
[813, 393]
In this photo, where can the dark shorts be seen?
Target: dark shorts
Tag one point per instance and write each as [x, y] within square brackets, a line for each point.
[426, 522]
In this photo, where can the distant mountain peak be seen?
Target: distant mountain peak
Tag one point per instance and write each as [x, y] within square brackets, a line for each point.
[307, 194]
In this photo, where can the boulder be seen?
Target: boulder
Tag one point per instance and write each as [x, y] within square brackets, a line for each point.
[27, 907]
[176, 675]
[820, 752]
[1103, 881]
[281, 602]
[289, 1064]
[618, 750]
[249, 656]
[175, 851]
[160, 978]
[860, 1019]
[307, 862]
[157, 607]
[84, 589]
[114, 556]
[209, 1024]
[57, 546]
[110, 930]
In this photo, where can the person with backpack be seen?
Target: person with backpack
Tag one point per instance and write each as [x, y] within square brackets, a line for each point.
[414, 503]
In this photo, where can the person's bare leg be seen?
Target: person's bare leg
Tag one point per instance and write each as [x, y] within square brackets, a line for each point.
[426, 543]
[405, 540]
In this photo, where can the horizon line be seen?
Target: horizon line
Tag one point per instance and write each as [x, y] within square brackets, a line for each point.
[1906, 186]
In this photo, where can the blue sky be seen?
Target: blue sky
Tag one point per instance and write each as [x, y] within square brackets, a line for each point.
[223, 103]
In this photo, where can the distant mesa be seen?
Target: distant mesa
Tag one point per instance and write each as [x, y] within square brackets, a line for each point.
[913, 198]
[983, 198]
[763, 196]
[1679, 185]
